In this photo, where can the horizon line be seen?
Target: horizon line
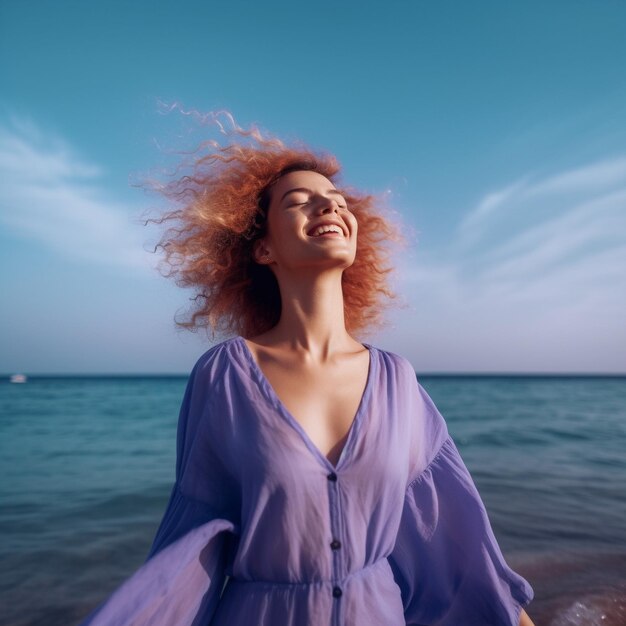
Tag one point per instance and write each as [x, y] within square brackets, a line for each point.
[486, 374]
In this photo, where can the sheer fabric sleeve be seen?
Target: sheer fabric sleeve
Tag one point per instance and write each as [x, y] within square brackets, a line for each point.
[182, 577]
[202, 490]
[446, 559]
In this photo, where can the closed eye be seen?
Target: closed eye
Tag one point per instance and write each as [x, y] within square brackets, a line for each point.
[290, 204]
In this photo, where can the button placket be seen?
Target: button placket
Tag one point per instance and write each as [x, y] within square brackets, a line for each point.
[335, 544]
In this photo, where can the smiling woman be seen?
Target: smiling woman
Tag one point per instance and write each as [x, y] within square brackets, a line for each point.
[224, 197]
[314, 474]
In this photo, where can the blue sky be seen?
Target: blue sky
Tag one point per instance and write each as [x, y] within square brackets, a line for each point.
[498, 131]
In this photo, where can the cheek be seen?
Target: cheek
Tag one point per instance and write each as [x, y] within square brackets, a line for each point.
[352, 221]
[283, 225]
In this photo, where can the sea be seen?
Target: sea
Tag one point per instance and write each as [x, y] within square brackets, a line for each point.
[87, 464]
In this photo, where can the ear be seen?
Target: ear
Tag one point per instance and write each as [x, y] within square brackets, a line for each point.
[261, 254]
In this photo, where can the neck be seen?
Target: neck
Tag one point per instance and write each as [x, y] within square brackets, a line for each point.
[312, 314]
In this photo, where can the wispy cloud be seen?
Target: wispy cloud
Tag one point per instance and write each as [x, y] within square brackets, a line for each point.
[593, 177]
[491, 202]
[51, 194]
[543, 253]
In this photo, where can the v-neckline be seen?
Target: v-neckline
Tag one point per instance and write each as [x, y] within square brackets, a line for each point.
[272, 396]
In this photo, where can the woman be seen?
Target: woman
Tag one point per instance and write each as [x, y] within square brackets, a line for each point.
[316, 481]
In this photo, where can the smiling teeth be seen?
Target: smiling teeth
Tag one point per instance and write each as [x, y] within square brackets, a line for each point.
[326, 229]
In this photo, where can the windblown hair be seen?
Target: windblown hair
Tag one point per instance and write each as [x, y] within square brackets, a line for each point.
[222, 209]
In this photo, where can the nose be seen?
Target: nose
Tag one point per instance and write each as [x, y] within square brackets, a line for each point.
[327, 204]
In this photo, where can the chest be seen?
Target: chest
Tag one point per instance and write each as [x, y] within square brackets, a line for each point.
[324, 400]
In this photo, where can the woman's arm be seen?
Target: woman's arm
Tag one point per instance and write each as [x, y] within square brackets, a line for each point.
[524, 620]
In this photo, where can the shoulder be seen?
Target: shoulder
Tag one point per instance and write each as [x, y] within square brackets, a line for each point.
[211, 363]
[396, 364]
[404, 367]
[433, 419]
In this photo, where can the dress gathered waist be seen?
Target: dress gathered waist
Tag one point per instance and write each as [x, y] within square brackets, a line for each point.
[273, 583]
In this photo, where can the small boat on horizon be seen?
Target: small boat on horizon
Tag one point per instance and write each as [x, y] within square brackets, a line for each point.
[18, 378]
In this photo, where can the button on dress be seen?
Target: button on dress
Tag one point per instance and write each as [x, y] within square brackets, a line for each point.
[261, 529]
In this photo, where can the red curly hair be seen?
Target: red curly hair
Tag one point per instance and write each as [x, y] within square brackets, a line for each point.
[223, 203]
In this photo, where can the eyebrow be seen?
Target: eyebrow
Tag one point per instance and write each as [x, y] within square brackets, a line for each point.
[307, 189]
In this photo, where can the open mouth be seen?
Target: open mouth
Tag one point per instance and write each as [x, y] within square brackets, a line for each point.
[329, 231]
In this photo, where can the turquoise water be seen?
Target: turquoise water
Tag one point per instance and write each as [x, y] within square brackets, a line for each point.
[87, 465]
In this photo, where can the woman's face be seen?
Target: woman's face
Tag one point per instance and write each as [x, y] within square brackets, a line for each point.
[300, 202]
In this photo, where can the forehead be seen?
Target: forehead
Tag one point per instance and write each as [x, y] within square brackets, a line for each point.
[301, 178]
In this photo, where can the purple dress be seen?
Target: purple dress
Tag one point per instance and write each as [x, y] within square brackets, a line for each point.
[261, 529]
